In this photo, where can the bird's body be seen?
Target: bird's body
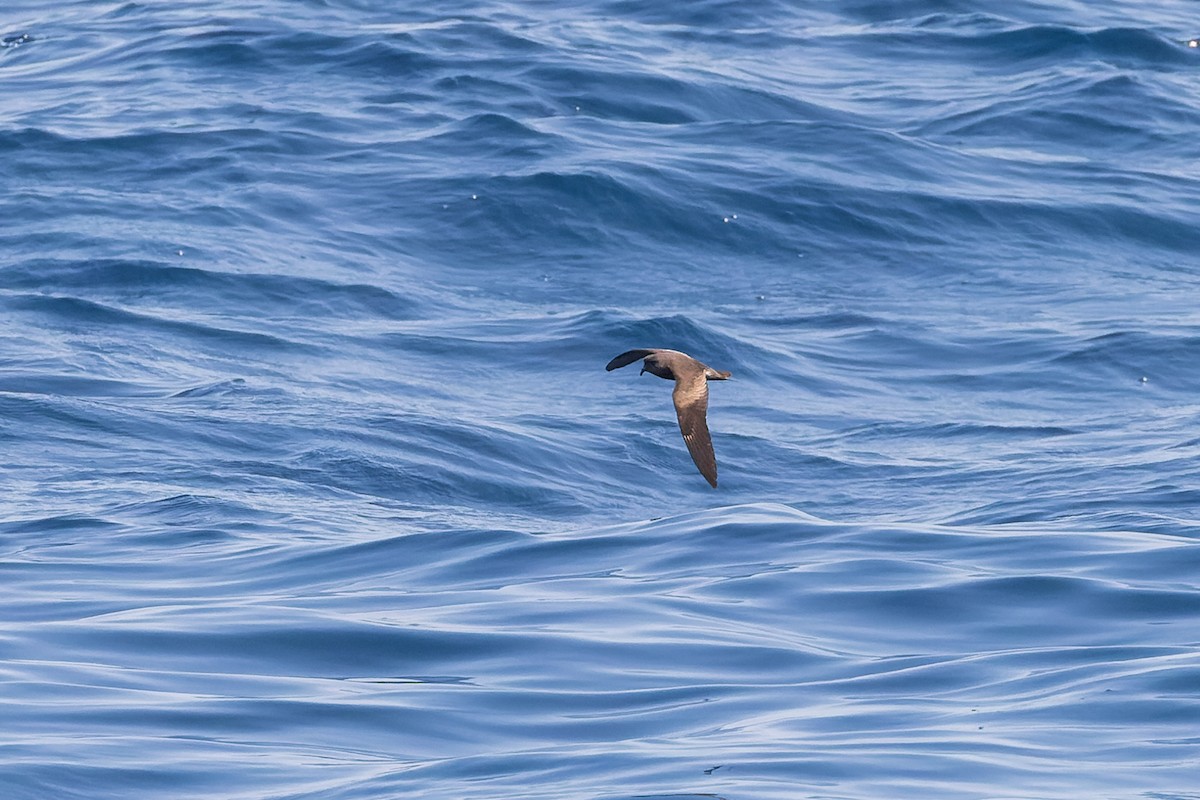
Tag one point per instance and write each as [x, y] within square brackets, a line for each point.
[690, 397]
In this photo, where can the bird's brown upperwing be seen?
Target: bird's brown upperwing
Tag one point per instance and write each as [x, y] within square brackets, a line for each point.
[691, 405]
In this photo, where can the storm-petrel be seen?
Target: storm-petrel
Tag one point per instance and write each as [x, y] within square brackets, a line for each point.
[690, 397]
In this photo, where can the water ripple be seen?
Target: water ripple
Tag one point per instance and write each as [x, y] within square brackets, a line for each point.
[313, 470]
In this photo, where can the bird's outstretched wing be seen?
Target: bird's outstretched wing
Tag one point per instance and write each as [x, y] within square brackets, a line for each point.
[627, 358]
[691, 405]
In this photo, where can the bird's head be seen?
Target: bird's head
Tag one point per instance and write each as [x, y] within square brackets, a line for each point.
[654, 366]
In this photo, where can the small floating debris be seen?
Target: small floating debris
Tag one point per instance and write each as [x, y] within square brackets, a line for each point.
[1193, 43]
[16, 40]
[474, 197]
[730, 217]
[1144, 379]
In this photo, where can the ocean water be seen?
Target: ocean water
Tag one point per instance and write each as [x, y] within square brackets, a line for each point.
[314, 486]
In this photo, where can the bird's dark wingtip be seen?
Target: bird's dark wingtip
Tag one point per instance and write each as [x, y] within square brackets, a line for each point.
[626, 358]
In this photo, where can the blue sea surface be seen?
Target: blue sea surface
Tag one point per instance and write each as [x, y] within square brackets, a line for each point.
[314, 485]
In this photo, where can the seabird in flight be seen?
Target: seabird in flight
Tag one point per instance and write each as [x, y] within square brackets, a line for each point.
[690, 397]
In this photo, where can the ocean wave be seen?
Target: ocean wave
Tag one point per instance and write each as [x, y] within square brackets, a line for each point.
[313, 468]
